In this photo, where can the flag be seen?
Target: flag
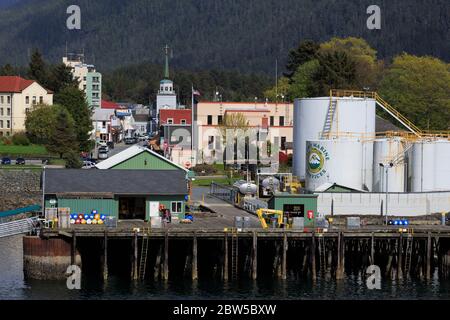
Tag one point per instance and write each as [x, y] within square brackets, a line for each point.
[195, 95]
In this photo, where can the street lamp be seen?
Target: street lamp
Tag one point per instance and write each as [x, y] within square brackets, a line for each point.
[386, 166]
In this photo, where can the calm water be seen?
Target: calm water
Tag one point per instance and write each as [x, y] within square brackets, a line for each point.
[13, 286]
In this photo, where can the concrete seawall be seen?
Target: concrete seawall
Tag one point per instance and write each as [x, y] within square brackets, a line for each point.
[46, 259]
[19, 188]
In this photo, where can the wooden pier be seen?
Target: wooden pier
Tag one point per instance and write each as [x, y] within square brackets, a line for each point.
[255, 252]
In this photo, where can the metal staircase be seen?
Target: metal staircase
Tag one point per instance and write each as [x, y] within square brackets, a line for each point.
[144, 253]
[18, 227]
[329, 119]
[234, 254]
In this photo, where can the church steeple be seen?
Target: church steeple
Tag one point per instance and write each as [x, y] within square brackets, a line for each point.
[166, 69]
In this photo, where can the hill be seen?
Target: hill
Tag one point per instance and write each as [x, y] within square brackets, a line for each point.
[244, 35]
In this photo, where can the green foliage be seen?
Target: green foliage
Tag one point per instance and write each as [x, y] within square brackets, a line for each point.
[63, 139]
[40, 123]
[72, 160]
[60, 77]
[302, 81]
[5, 141]
[37, 69]
[74, 101]
[306, 51]
[7, 70]
[419, 87]
[281, 93]
[20, 139]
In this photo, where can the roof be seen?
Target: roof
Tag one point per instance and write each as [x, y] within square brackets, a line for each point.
[166, 81]
[110, 105]
[102, 114]
[130, 153]
[176, 115]
[118, 182]
[15, 84]
[141, 117]
[328, 185]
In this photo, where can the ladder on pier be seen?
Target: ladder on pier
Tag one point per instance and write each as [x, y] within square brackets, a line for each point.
[408, 253]
[15, 227]
[234, 254]
[329, 119]
[144, 253]
[322, 254]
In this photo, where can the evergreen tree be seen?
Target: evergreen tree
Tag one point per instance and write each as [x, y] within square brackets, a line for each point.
[63, 140]
[60, 78]
[7, 70]
[306, 51]
[37, 69]
[75, 102]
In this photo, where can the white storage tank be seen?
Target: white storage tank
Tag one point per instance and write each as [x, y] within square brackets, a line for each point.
[385, 150]
[429, 163]
[352, 116]
[334, 161]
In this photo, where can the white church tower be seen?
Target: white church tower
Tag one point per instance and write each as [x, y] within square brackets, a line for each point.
[166, 98]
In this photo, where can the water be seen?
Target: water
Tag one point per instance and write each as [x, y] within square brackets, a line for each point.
[13, 286]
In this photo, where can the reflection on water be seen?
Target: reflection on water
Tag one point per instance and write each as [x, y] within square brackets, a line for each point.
[13, 286]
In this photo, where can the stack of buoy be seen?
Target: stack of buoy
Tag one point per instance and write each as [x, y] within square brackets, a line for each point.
[87, 218]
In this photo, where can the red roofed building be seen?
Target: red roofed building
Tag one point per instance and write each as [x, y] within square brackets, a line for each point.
[109, 105]
[18, 96]
[175, 116]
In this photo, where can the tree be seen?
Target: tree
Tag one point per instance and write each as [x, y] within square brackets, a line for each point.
[302, 81]
[419, 87]
[75, 102]
[234, 125]
[61, 77]
[7, 70]
[73, 160]
[63, 138]
[280, 92]
[367, 67]
[37, 69]
[40, 123]
[336, 70]
[306, 51]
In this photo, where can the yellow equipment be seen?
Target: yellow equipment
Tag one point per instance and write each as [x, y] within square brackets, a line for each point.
[265, 215]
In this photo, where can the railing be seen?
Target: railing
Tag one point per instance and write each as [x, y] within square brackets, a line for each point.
[225, 193]
[18, 227]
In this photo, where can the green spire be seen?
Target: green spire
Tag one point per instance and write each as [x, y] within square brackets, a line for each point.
[166, 69]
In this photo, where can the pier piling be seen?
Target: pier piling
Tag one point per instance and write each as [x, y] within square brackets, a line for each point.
[105, 256]
[225, 257]
[194, 258]
[255, 256]
[166, 257]
[284, 258]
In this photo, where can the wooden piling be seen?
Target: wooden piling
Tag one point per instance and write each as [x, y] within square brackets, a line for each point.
[157, 270]
[429, 247]
[340, 257]
[135, 274]
[255, 256]
[166, 257]
[284, 258]
[372, 249]
[313, 256]
[74, 248]
[194, 258]
[105, 256]
[225, 257]
[400, 257]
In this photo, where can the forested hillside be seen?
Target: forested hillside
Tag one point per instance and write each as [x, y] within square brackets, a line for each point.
[244, 35]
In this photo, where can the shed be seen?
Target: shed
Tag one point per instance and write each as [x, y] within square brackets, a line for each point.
[295, 205]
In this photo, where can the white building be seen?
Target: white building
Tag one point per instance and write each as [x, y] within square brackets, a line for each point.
[166, 98]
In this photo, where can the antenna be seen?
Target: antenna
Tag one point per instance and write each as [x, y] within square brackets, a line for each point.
[276, 80]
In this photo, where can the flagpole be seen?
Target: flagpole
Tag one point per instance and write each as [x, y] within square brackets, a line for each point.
[192, 124]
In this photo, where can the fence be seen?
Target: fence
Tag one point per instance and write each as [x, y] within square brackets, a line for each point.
[225, 193]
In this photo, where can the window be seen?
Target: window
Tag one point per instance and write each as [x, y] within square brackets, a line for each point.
[41, 100]
[283, 143]
[272, 121]
[218, 146]
[2, 100]
[34, 100]
[8, 124]
[169, 121]
[1, 111]
[162, 88]
[211, 142]
[209, 120]
[27, 100]
[84, 87]
[103, 124]
[84, 78]
[1, 124]
[8, 111]
[219, 119]
[183, 121]
[281, 121]
[27, 110]
[8, 99]
[176, 207]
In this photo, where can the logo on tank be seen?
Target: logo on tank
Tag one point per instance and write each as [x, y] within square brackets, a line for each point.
[317, 155]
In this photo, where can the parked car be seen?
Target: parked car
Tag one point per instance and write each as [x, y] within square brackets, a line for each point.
[88, 165]
[20, 161]
[102, 154]
[130, 140]
[6, 161]
[110, 144]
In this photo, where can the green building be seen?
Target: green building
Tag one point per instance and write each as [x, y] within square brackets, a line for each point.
[94, 89]
[133, 184]
[296, 205]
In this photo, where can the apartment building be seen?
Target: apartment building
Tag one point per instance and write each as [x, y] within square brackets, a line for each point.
[17, 97]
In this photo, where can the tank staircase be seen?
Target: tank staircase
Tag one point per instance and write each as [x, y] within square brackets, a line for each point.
[408, 254]
[16, 227]
[329, 119]
[144, 253]
[234, 254]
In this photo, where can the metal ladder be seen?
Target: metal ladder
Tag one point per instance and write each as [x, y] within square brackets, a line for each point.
[322, 253]
[329, 119]
[15, 227]
[234, 254]
[408, 253]
[144, 253]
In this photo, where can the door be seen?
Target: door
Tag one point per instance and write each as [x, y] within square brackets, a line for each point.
[154, 209]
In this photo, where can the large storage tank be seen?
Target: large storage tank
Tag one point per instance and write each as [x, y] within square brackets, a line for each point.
[334, 161]
[429, 166]
[385, 150]
[355, 116]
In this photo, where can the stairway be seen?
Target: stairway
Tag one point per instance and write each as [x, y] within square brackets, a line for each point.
[17, 227]
[329, 119]
[144, 253]
[234, 254]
